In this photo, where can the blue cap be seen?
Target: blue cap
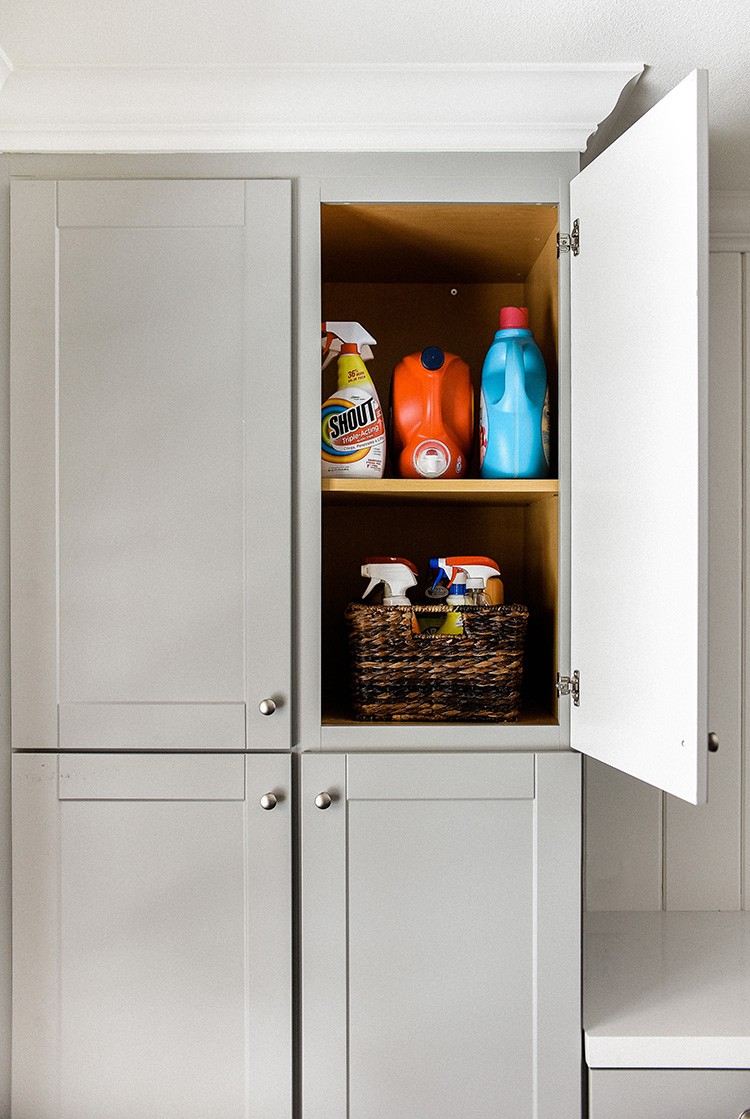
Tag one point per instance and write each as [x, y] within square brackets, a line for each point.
[433, 357]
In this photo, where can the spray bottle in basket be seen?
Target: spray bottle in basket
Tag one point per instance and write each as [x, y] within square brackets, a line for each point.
[352, 425]
[396, 575]
[514, 418]
[482, 573]
[453, 592]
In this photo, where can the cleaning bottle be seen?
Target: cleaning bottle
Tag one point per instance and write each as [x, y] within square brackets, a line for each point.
[352, 425]
[396, 575]
[514, 417]
[452, 588]
[457, 589]
[475, 592]
[480, 568]
[432, 415]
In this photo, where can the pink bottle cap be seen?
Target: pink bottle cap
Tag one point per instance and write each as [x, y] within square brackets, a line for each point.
[514, 318]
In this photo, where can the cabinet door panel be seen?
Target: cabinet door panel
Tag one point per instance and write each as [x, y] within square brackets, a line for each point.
[152, 956]
[150, 498]
[639, 394]
[446, 982]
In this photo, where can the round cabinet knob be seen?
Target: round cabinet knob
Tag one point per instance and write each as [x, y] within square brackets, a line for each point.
[266, 707]
[323, 800]
[268, 801]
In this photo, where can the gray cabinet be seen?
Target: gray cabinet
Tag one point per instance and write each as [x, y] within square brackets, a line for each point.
[150, 397]
[152, 936]
[151, 372]
[152, 381]
[669, 1093]
[593, 551]
[440, 935]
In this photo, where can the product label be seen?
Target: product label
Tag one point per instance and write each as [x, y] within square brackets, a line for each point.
[546, 428]
[352, 428]
[482, 428]
[450, 624]
[356, 377]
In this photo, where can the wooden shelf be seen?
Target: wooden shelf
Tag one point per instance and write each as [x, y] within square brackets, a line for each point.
[479, 491]
[535, 719]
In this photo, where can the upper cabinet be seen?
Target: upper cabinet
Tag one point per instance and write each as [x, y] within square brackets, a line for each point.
[155, 390]
[151, 326]
[422, 274]
[608, 552]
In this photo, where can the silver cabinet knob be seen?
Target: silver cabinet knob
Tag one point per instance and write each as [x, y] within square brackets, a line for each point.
[323, 800]
[266, 707]
[268, 801]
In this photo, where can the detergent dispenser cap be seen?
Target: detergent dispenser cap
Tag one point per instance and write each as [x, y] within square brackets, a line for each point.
[432, 458]
[514, 318]
[433, 358]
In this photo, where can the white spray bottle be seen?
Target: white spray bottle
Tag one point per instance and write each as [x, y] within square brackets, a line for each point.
[396, 575]
[482, 568]
[352, 424]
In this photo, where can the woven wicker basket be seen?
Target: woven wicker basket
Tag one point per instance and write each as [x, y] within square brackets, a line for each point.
[400, 673]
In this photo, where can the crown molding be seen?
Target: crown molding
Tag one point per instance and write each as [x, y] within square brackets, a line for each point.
[345, 107]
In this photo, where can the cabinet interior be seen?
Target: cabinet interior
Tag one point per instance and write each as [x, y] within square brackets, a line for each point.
[433, 274]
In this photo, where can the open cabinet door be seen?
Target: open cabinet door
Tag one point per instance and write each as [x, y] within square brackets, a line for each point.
[639, 396]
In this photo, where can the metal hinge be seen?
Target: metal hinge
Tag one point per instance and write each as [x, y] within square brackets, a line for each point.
[570, 242]
[570, 685]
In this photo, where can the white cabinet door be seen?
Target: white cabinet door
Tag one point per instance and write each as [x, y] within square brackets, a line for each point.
[150, 415]
[152, 937]
[440, 936]
[639, 394]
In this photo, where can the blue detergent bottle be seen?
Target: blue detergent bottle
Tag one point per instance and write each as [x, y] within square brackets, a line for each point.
[514, 412]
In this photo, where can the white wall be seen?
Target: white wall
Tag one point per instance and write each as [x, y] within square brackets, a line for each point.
[645, 850]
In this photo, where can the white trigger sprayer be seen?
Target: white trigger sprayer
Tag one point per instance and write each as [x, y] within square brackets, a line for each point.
[396, 575]
[481, 570]
[334, 335]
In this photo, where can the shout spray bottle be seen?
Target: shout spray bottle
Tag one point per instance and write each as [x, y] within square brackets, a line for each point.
[352, 426]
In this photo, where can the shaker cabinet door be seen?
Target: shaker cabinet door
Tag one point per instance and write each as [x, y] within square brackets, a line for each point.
[152, 937]
[440, 936]
[150, 413]
[639, 396]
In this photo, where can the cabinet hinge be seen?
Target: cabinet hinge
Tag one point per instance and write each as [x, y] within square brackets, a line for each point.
[570, 242]
[570, 685]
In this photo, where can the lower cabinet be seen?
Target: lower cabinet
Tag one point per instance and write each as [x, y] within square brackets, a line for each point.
[152, 937]
[440, 938]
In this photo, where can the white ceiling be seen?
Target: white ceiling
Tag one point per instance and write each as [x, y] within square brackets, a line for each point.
[672, 37]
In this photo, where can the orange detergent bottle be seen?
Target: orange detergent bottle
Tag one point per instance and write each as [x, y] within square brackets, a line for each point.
[432, 415]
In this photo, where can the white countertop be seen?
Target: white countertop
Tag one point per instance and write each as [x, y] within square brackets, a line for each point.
[667, 990]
